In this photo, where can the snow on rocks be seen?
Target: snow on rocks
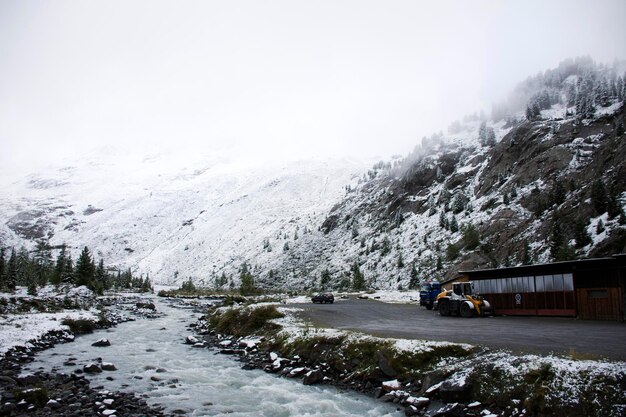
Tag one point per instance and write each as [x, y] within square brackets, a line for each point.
[391, 385]
[101, 343]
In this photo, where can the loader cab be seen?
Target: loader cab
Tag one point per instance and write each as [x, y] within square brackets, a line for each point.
[462, 288]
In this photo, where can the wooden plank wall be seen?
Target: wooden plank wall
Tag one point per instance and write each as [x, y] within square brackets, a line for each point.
[594, 305]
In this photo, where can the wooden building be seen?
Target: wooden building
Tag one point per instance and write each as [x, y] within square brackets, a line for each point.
[588, 289]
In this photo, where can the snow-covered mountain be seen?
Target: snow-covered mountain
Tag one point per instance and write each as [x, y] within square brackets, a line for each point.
[173, 216]
[542, 182]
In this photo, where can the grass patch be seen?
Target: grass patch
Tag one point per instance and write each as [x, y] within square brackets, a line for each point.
[36, 396]
[246, 321]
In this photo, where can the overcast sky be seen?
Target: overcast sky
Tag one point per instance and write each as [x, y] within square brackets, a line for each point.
[273, 79]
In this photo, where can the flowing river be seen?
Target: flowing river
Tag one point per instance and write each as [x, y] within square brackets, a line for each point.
[153, 361]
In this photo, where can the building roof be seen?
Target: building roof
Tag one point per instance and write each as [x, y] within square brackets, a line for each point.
[615, 261]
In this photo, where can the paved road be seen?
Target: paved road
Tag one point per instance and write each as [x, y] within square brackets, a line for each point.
[519, 334]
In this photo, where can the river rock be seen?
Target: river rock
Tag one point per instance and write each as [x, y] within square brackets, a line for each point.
[149, 306]
[418, 402]
[6, 380]
[92, 368]
[107, 366]
[389, 386]
[101, 343]
[296, 372]
[450, 410]
[191, 340]
[313, 377]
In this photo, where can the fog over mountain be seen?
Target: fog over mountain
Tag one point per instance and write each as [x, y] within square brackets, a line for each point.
[277, 80]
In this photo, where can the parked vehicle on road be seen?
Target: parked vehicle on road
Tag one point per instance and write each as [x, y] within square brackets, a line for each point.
[428, 294]
[462, 301]
[323, 298]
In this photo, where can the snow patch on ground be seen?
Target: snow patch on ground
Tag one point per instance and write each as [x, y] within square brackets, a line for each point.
[20, 329]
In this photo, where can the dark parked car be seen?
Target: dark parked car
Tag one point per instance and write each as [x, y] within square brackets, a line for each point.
[323, 298]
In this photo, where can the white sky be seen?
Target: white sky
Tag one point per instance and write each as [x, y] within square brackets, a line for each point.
[273, 79]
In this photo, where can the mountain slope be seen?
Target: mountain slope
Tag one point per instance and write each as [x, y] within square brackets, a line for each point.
[550, 188]
[197, 221]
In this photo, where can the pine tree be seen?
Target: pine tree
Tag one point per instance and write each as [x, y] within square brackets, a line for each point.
[100, 278]
[12, 272]
[59, 268]
[557, 239]
[43, 260]
[246, 286]
[526, 257]
[400, 263]
[471, 237]
[69, 277]
[482, 133]
[414, 281]
[439, 263]
[558, 193]
[581, 234]
[358, 280]
[443, 221]
[324, 279]
[147, 285]
[613, 206]
[85, 269]
[454, 225]
[598, 197]
[386, 248]
[458, 204]
[599, 227]
[2, 270]
[490, 139]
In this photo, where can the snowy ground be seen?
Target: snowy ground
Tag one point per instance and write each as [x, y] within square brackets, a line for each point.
[20, 329]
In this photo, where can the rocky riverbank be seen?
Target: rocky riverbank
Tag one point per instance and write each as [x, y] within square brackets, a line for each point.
[42, 393]
[424, 378]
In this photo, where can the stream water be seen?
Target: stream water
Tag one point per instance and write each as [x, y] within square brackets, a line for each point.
[153, 361]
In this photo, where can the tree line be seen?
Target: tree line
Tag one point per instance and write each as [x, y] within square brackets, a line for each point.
[37, 268]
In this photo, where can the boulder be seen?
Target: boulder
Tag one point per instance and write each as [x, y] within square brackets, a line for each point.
[389, 386]
[296, 372]
[450, 410]
[431, 379]
[418, 402]
[92, 368]
[313, 377]
[107, 366]
[101, 343]
[191, 340]
[149, 306]
[455, 391]
[7, 380]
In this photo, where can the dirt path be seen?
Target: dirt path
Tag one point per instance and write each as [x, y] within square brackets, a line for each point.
[519, 334]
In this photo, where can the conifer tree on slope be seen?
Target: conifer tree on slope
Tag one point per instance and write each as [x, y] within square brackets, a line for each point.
[85, 269]
[12, 272]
